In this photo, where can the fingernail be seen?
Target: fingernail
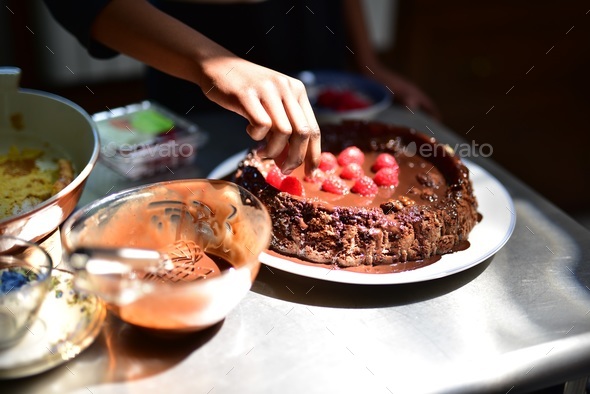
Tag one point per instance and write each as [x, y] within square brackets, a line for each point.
[261, 150]
[286, 171]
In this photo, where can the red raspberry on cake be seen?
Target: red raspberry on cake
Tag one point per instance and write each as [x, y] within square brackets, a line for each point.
[318, 176]
[352, 171]
[328, 161]
[384, 160]
[335, 185]
[352, 154]
[292, 186]
[275, 177]
[387, 176]
[365, 186]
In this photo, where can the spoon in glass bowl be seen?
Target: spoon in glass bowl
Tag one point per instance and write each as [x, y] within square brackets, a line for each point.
[122, 275]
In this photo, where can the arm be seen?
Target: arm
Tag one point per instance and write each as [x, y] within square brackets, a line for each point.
[368, 63]
[276, 105]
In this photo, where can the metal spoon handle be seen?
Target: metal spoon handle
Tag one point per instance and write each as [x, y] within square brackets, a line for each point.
[116, 260]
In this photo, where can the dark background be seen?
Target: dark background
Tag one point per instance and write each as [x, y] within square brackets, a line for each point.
[511, 74]
[528, 62]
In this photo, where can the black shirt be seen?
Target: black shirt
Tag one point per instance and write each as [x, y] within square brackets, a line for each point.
[287, 36]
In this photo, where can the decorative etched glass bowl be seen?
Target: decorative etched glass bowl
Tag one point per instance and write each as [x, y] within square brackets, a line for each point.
[174, 256]
[25, 272]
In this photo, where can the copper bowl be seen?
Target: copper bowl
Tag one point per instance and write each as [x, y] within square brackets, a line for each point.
[61, 128]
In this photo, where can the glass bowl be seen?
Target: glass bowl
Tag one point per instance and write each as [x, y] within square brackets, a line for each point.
[25, 272]
[173, 256]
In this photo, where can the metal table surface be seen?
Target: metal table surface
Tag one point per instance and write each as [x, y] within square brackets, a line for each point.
[516, 322]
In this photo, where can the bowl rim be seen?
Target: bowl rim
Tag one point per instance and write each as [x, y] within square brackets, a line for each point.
[82, 175]
[38, 247]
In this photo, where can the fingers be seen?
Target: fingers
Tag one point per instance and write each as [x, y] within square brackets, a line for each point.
[411, 102]
[314, 148]
[305, 142]
[281, 129]
[422, 101]
[285, 119]
[432, 109]
[415, 100]
[273, 126]
[429, 107]
[260, 121]
[410, 95]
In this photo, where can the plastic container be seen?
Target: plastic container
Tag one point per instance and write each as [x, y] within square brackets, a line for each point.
[143, 139]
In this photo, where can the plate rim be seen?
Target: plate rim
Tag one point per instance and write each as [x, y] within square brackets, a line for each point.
[229, 165]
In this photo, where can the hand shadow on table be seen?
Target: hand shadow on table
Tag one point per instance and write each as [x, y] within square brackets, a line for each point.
[290, 287]
[120, 353]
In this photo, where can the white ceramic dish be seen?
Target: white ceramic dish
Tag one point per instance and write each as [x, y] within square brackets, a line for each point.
[67, 323]
[488, 236]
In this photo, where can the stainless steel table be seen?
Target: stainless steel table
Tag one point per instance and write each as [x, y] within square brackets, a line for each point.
[516, 322]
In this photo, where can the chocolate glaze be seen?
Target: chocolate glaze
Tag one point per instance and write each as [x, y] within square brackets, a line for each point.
[419, 181]
[430, 213]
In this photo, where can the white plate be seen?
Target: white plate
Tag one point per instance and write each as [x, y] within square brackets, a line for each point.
[227, 166]
[67, 323]
[486, 238]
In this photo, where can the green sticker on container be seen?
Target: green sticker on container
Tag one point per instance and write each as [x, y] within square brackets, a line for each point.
[151, 122]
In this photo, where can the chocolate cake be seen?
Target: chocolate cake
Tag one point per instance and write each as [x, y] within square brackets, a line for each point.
[422, 207]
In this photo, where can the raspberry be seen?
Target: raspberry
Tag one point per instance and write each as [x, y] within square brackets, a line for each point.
[328, 161]
[341, 100]
[275, 177]
[352, 171]
[384, 160]
[352, 154]
[365, 186]
[292, 186]
[387, 176]
[318, 176]
[350, 100]
[335, 185]
[328, 98]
